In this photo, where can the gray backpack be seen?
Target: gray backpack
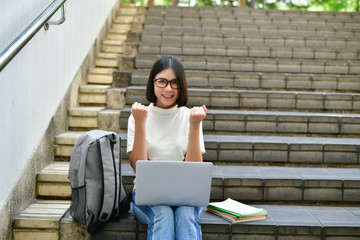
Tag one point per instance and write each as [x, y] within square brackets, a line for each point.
[98, 192]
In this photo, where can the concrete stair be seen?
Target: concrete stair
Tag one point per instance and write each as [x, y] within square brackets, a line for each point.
[259, 150]
[263, 100]
[44, 218]
[40, 220]
[262, 81]
[240, 64]
[93, 94]
[282, 89]
[103, 76]
[298, 185]
[83, 117]
[234, 122]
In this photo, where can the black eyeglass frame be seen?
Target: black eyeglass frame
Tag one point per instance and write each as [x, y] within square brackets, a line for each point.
[167, 82]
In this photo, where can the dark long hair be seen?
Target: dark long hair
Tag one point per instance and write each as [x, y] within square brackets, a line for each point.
[162, 63]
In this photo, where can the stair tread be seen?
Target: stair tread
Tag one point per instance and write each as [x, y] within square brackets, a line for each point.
[317, 216]
[92, 88]
[244, 91]
[263, 41]
[271, 183]
[45, 210]
[99, 70]
[107, 55]
[314, 82]
[84, 111]
[244, 172]
[311, 218]
[67, 137]
[118, 31]
[41, 215]
[282, 139]
[354, 116]
[113, 42]
[144, 72]
[222, 59]
[262, 31]
[266, 65]
[250, 122]
[248, 12]
[201, 22]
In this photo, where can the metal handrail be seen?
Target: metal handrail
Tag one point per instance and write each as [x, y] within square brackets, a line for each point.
[14, 48]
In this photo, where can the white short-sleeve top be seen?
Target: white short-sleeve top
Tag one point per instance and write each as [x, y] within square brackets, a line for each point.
[167, 133]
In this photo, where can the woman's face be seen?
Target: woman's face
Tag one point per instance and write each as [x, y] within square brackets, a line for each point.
[166, 97]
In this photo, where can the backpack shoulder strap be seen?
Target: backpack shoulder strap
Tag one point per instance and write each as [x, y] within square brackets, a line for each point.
[105, 145]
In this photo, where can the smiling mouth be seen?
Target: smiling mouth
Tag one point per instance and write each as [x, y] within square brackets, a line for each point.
[168, 96]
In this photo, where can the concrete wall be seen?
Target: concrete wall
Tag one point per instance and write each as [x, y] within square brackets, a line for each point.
[35, 88]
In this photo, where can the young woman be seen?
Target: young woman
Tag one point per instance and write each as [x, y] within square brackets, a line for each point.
[167, 130]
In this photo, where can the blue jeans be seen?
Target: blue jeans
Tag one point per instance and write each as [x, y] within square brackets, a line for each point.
[165, 222]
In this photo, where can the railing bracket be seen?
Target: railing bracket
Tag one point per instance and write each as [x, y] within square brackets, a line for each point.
[58, 22]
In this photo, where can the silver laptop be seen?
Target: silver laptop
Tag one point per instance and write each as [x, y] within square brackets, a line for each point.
[173, 183]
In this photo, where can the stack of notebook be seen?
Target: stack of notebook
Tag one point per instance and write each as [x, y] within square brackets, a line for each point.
[236, 212]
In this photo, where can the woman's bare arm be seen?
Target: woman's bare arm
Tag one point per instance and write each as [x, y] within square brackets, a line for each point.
[193, 153]
[139, 152]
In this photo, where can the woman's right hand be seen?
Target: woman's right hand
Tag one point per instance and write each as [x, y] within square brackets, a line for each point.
[139, 112]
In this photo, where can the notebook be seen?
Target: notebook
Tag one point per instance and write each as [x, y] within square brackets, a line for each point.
[173, 183]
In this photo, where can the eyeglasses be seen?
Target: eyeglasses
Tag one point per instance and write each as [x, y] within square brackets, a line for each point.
[162, 83]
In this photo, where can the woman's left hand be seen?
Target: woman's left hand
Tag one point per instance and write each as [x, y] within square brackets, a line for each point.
[197, 114]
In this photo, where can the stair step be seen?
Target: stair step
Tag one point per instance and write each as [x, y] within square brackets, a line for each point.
[218, 15]
[107, 55]
[236, 42]
[52, 181]
[276, 123]
[68, 138]
[284, 150]
[249, 26]
[93, 94]
[64, 143]
[130, 10]
[113, 46]
[118, 32]
[121, 26]
[108, 60]
[293, 36]
[40, 220]
[262, 81]
[251, 50]
[237, 64]
[244, 183]
[226, 13]
[84, 111]
[113, 42]
[262, 100]
[100, 76]
[83, 117]
[102, 118]
[124, 19]
[258, 150]
[101, 71]
[119, 36]
[311, 222]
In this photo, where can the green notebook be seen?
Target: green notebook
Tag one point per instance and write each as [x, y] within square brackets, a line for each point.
[236, 208]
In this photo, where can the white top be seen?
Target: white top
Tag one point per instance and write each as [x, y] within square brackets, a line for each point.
[167, 133]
